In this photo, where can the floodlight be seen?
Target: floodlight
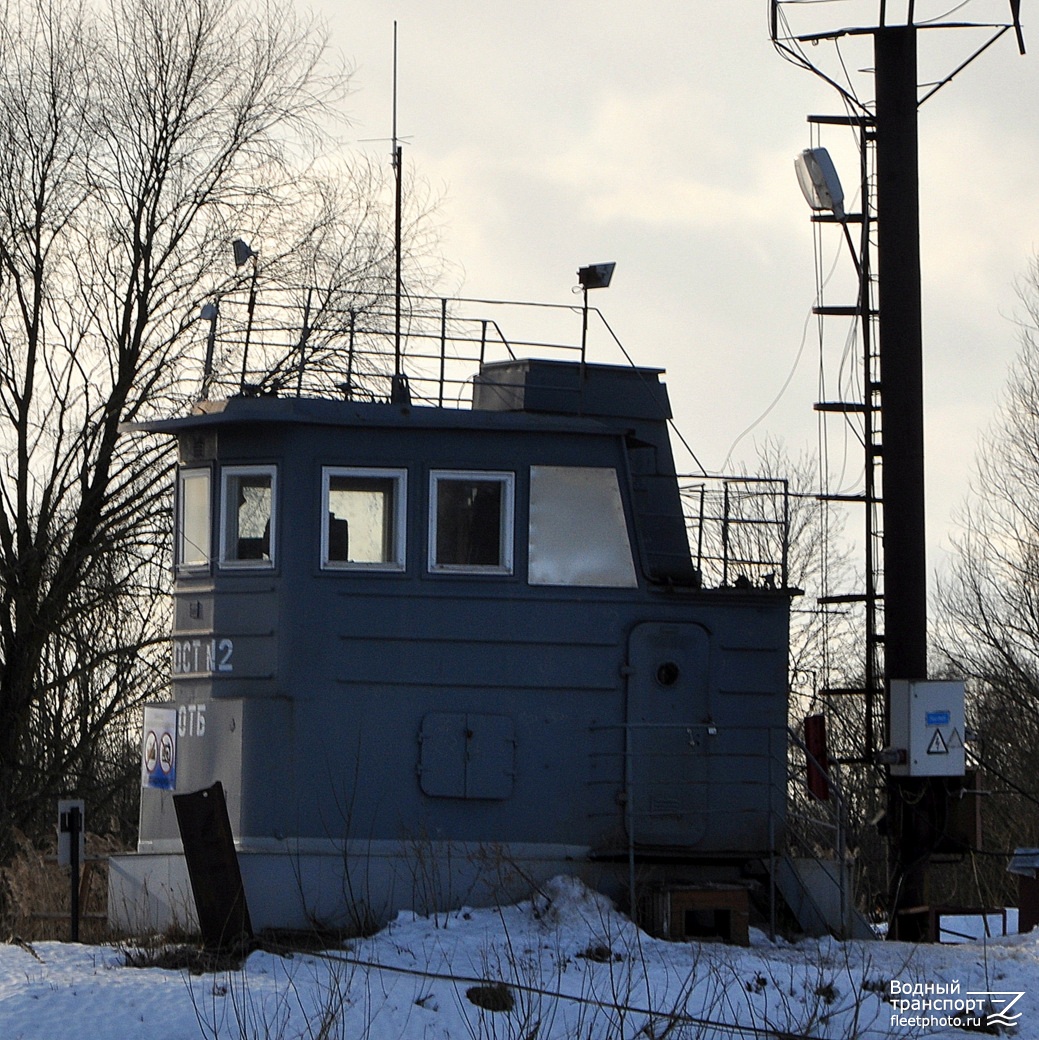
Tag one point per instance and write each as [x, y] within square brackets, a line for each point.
[595, 276]
[819, 181]
[242, 252]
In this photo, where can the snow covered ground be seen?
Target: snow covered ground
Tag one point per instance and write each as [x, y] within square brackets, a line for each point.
[564, 965]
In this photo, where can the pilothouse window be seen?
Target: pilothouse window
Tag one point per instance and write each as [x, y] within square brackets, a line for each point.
[194, 519]
[471, 521]
[364, 519]
[247, 516]
[585, 499]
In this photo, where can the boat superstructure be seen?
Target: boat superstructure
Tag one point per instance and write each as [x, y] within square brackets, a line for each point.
[435, 654]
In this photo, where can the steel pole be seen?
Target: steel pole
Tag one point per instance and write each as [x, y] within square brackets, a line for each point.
[913, 802]
[901, 354]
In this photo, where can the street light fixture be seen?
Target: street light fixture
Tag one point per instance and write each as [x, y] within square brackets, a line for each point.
[594, 276]
[819, 181]
[822, 190]
[243, 253]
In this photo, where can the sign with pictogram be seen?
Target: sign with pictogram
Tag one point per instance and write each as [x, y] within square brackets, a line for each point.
[926, 727]
[159, 748]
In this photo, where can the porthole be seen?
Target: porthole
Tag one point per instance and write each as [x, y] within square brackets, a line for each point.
[667, 673]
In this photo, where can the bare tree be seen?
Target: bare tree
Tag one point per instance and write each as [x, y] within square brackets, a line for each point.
[825, 645]
[137, 138]
[827, 668]
[988, 630]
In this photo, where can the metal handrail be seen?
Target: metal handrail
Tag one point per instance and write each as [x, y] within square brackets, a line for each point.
[782, 836]
[303, 344]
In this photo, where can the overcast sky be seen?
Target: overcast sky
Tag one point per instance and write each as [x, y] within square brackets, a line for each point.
[661, 135]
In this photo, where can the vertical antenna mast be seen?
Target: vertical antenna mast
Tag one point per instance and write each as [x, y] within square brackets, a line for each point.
[397, 221]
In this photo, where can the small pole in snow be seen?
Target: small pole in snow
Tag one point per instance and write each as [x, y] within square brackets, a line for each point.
[74, 827]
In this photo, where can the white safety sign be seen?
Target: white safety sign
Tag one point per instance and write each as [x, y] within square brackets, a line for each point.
[159, 748]
[927, 727]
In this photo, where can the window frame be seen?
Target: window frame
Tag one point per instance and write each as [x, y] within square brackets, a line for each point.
[506, 479]
[182, 566]
[399, 537]
[563, 499]
[226, 474]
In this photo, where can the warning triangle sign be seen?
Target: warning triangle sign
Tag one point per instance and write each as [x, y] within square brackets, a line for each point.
[955, 740]
[937, 745]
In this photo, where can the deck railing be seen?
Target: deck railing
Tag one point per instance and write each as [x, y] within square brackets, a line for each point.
[738, 529]
[294, 341]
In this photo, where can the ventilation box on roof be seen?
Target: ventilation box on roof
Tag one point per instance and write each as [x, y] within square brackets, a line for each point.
[569, 388]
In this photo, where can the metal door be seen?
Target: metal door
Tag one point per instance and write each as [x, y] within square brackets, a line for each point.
[669, 729]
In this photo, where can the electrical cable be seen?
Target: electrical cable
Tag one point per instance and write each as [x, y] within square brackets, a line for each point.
[631, 361]
[821, 284]
[945, 14]
[996, 773]
[779, 395]
[789, 48]
[672, 1017]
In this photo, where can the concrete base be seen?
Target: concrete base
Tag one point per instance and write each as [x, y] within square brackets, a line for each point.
[354, 886]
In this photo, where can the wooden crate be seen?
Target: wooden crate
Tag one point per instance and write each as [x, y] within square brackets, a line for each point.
[684, 912]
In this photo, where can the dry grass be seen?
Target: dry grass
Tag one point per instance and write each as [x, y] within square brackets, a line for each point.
[37, 892]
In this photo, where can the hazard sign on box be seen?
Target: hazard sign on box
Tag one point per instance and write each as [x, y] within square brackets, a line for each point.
[927, 724]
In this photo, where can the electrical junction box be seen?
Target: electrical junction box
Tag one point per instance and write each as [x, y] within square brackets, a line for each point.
[927, 724]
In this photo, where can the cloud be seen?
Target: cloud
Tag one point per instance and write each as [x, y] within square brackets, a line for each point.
[661, 159]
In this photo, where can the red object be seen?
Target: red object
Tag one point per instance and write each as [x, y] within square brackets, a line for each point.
[818, 759]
